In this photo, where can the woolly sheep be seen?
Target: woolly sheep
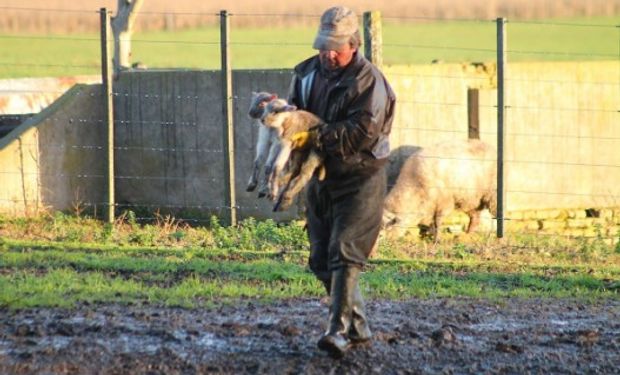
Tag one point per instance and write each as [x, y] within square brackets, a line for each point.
[435, 181]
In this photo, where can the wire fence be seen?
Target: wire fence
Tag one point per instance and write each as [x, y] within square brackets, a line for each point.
[562, 108]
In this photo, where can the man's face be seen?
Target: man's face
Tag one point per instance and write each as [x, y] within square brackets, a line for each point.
[334, 59]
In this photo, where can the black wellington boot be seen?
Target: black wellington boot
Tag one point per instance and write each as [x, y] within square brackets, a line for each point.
[326, 300]
[335, 341]
[359, 333]
[327, 283]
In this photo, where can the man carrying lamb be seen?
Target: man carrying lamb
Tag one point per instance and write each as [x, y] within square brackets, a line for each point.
[344, 210]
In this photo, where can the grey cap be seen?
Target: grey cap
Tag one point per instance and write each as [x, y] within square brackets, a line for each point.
[338, 25]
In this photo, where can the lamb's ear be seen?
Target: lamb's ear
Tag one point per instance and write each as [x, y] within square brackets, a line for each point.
[290, 107]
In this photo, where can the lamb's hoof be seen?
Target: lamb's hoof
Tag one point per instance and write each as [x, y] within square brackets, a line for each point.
[250, 187]
[282, 204]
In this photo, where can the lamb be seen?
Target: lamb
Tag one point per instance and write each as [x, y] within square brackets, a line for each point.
[267, 146]
[436, 180]
[297, 160]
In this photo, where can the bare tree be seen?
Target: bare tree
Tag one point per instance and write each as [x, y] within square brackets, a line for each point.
[122, 28]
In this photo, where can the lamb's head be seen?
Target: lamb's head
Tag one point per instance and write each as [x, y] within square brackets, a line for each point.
[258, 103]
[275, 107]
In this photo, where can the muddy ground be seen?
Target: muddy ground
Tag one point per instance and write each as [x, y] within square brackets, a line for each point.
[451, 336]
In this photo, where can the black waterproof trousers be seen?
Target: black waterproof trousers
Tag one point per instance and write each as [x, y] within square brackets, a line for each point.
[344, 220]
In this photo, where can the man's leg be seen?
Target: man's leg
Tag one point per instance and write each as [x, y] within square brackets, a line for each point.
[317, 224]
[344, 282]
[356, 224]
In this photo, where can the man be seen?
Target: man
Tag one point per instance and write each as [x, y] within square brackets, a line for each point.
[344, 210]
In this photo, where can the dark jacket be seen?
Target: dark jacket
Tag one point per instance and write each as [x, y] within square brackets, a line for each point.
[358, 108]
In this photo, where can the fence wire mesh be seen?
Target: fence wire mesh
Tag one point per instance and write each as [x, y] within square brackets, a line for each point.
[562, 109]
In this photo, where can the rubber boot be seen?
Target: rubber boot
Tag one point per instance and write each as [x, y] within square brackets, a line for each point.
[335, 341]
[359, 333]
[327, 284]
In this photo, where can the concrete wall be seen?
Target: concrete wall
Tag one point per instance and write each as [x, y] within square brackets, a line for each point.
[170, 139]
[562, 124]
[55, 160]
[563, 147]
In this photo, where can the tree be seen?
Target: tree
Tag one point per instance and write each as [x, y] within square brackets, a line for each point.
[122, 28]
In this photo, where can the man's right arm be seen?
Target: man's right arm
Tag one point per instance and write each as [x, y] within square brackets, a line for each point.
[293, 93]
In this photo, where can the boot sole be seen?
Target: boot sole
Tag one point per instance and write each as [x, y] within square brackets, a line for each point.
[332, 349]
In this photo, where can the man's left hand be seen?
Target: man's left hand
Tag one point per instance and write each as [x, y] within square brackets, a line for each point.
[300, 140]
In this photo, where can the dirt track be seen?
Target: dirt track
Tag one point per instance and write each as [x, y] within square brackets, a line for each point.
[451, 336]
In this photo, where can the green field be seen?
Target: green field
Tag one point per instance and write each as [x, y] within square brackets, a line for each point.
[256, 48]
[65, 260]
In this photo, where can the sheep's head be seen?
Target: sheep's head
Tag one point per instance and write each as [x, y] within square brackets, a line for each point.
[258, 103]
[277, 106]
[389, 219]
[272, 117]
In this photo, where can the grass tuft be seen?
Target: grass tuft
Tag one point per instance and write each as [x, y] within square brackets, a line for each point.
[61, 260]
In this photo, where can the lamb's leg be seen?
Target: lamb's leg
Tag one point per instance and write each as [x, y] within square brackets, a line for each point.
[278, 166]
[262, 151]
[298, 182]
[253, 181]
[264, 188]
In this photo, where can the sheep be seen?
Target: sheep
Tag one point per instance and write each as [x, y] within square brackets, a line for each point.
[267, 146]
[436, 180]
[297, 161]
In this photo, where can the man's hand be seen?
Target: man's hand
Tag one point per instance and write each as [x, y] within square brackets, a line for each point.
[300, 140]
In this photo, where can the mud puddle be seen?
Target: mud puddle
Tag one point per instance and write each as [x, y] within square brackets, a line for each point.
[455, 336]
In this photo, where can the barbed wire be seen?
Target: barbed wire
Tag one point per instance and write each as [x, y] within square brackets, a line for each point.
[609, 197]
[563, 216]
[29, 9]
[561, 53]
[289, 71]
[64, 66]
[195, 206]
[400, 128]
[55, 37]
[567, 24]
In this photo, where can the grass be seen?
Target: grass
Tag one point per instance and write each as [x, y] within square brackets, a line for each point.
[179, 265]
[31, 55]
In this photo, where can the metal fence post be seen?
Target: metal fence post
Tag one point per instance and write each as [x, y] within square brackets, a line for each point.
[108, 113]
[373, 39]
[227, 108]
[501, 124]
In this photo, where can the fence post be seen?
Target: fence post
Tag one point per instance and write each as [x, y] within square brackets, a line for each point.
[108, 113]
[373, 40]
[473, 116]
[501, 124]
[227, 108]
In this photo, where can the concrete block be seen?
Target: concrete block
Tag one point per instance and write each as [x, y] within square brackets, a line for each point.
[607, 214]
[577, 214]
[527, 225]
[578, 223]
[553, 225]
[548, 214]
[515, 215]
